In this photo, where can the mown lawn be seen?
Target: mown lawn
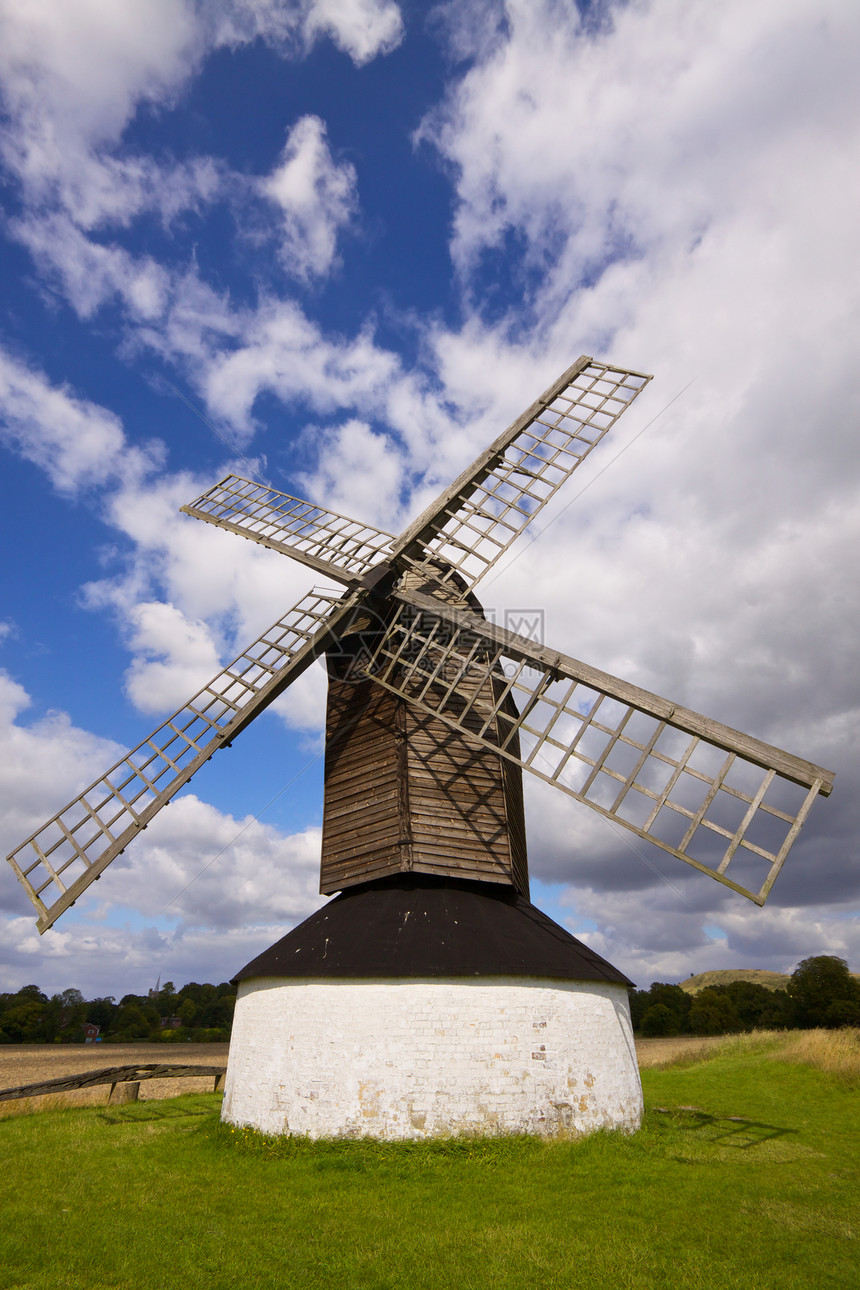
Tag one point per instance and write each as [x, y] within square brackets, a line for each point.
[745, 1174]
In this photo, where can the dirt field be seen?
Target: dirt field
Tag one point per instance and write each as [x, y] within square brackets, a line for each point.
[30, 1063]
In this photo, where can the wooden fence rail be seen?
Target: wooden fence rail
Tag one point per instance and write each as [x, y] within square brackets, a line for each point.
[125, 1081]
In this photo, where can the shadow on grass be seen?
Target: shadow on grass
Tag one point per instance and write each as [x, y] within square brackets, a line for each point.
[734, 1131]
[147, 1112]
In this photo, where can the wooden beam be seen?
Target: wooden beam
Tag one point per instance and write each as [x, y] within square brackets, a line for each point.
[112, 1075]
[482, 465]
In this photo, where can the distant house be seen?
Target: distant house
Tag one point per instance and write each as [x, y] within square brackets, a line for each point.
[91, 1033]
[171, 1023]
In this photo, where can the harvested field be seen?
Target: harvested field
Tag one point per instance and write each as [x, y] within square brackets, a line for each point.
[656, 1052]
[30, 1063]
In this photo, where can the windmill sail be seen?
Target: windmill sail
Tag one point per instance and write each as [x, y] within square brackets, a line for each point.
[76, 845]
[327, 542]
[701, 791]
[472, 524]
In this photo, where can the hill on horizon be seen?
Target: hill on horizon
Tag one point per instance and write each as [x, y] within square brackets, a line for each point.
[725, 976]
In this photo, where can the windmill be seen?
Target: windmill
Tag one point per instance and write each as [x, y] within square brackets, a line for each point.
[430, 996]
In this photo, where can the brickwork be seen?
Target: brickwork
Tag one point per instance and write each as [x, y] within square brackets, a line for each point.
[415, 1059]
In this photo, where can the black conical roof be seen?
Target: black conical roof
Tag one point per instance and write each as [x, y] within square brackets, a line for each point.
[417, 925]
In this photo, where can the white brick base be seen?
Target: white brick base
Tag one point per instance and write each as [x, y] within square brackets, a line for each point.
[417, 1059]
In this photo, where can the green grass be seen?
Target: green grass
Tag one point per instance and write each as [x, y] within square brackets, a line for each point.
[747, 1177]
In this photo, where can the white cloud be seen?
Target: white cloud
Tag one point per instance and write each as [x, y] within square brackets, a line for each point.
[77, 443]
[600, 145]
[197, 572]
[123, 958]
[316, 197]
[75, 72]
[87, 61]
[44, 765]
[92, 274]
[681, 940]
[211, 870]
[358, 473]
[174, 657]
[361, 28]
[283, 352]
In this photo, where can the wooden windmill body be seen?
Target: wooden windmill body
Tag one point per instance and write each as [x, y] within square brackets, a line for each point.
[429, 996]
[406, 793]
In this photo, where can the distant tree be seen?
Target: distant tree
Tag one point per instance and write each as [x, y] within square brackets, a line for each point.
[639, 1002]
[842, 1012]
[757, 1008]
[658, 1020]
[32, 992]
[712, 1013]
[779, 1014]
[23, 1021]
[199, 994]
[187, 1012]
[29, 1016]
[101, 1013]
[131, 1022]
[816, 984]
[220, 1014]
[671, 997]
[73, 1014]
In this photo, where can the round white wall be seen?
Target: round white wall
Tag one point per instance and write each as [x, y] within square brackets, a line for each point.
[408, 1058]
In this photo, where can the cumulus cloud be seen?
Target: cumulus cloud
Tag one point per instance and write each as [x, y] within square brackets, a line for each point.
[598, 145]
[205, 574]
[125, 958]
[45, 765]
[315, 196]
[188, 597]
[363, 29]
[211, 870]
[77, 443]
[74, 73]
[174, 657]
[680, 941]
[359, 473]
[284, 352]
[90, 274]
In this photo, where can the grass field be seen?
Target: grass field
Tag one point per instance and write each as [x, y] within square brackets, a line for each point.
[746, 1173]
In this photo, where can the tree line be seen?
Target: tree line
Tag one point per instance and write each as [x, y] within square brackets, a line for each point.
[820, 992]
[201, 1013]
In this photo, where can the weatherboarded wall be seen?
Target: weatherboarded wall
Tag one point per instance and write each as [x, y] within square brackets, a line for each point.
[416, 1059]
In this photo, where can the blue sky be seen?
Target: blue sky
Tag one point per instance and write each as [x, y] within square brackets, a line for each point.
[344, 244]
